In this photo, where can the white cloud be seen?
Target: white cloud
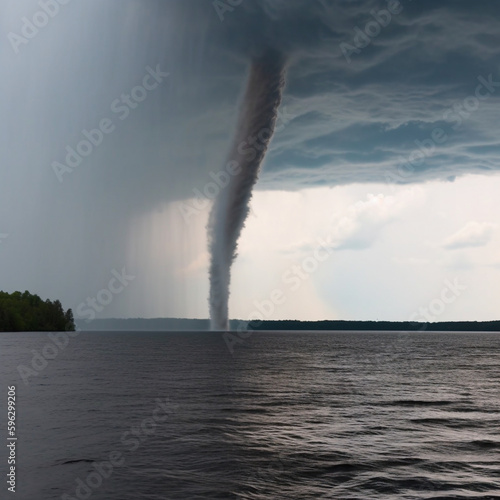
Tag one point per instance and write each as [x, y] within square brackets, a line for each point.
[365, 220]
[411, 261]
[402, 269]
[473, 234]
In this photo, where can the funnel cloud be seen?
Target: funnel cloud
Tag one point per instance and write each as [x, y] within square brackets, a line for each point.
[255, 128]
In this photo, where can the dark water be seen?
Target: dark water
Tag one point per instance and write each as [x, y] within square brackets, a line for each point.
[288, 416]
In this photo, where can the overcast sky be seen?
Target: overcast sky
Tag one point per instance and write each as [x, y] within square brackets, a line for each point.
[378, 198]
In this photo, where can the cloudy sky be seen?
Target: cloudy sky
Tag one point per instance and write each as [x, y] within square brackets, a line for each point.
[377, 200]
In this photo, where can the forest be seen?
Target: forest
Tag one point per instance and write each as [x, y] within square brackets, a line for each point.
[24, 312]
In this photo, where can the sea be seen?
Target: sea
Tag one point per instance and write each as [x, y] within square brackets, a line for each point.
[274, 415]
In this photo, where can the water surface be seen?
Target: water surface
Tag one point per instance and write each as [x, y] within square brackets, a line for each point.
[339, 415]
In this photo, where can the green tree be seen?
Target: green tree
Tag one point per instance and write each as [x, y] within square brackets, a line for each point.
[70, 321]
[27, 312]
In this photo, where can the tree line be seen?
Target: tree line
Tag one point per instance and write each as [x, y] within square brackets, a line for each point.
[24, 312]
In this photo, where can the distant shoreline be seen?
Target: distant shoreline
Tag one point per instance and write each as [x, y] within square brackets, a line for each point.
[182, 324]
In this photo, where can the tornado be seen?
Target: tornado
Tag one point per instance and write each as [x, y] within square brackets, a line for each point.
[254, 130]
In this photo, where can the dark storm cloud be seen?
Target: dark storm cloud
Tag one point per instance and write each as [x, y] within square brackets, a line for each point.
[356, 122]
[357, 112]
